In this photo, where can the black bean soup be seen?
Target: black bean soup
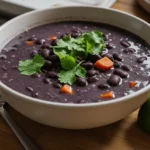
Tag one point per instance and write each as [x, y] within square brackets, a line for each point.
[129, 53]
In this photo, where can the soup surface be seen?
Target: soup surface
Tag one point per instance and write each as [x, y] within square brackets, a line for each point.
[127, 55]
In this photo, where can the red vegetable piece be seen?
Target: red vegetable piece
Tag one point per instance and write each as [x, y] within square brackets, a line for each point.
[104, 64]
[53, 37]
[67, 89]
[29, 42]
[109, 94]
[132, 84]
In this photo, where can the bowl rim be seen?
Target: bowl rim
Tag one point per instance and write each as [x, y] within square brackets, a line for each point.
[74, 105]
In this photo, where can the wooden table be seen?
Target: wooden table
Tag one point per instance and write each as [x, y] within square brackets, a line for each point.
[123, 135]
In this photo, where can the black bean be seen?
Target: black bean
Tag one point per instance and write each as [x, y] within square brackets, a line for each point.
[35, 94]
[32, 39]
[92, 79]
[81, 81]
[87, 65]
[54, 58]
[33, 53]
[126, 67]
[75, 35]
[52, 74]
[109, 45]
[30, 89]
[108, 56]
[75, 31]
[117, 64]
[46, 80]
[94, 58]
[129, 51]
[103, 86]
[57, 85]
[45, 53]
[16, 45]
[141, 59]
[125, 43]
[14, 67]
[54, 42]
[36, 75]
[117, 56]
[121, 73]
[114, 80]
[46, 46]
[48, 64]
[3, 57]
[105, 37]
[40, 41]
[92, 72]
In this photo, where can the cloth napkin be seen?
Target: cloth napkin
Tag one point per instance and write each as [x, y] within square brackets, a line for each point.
[39, 4]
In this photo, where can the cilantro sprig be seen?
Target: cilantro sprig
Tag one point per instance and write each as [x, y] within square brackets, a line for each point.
[88, 43]
[29, 67]
[67, 49]
[69, 76]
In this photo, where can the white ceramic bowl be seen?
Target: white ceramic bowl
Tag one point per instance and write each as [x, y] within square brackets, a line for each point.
[74, 116]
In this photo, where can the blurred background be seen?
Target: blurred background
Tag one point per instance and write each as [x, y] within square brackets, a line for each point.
[11, 8]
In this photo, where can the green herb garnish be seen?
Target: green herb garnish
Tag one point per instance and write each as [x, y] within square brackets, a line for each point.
[69, 76]
[29, 67]
[67, 50]
[88, 43]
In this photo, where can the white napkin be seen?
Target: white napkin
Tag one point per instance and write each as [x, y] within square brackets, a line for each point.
[39, 4]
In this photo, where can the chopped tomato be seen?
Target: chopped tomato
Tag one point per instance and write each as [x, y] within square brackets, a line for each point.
[67, 89]
[29, 42]
[104, 63]
[53, 37]
[109, 94]
[132, 84]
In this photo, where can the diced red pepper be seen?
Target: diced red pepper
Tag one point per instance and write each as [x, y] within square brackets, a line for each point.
[67, 89]
[29, 42]
[53, 37]
[104, 63]
[109, 94]
[132, 84]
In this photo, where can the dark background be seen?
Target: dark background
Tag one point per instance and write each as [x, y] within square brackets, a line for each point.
[3, 18]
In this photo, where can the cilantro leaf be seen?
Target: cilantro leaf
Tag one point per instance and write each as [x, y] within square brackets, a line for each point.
[65, 42]
[29, 67]
[61, 52]
[88, 43]
[94, 42]
[68, 62]
[97, 48]
[80, 71]
[68, 43]
[38, 60]
[69, 76]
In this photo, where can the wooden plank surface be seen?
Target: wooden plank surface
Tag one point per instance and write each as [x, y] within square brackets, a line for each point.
[123, 135]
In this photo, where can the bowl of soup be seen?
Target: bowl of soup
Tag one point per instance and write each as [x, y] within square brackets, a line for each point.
[75, 67]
